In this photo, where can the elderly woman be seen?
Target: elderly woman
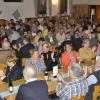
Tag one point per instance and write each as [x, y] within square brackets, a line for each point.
[76, 87]
[36, 62]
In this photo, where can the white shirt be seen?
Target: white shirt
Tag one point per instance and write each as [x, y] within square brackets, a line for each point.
[60, 37]
[91, 80]
[31, 80]
[14, 36]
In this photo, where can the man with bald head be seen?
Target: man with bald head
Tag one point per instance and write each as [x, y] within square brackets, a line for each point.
[33, 89]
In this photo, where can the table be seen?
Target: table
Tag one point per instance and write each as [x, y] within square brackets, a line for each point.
[51, 85]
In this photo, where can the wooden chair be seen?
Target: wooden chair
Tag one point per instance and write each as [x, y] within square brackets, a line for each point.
[96, 92]
[4, 54]
[81, 98]
[23, 62]
[2, 66]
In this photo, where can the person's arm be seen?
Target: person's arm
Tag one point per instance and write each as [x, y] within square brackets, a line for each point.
[28, 62]
[2, 75]
[91, 80]
[61, 88]
[43, 66]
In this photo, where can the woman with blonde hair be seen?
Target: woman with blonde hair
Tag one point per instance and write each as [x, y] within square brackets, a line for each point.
[13, 71]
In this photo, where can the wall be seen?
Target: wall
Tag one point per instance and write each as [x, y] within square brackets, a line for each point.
[89, 2]
[55, 8]
[25, 8]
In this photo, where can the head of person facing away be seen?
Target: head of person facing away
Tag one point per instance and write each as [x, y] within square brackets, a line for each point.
[75, 71]
[29, 73]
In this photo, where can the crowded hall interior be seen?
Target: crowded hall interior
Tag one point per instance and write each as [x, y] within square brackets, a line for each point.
[49, 49]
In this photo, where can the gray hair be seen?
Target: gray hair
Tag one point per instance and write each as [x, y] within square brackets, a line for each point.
[29, 72]
[76, 70]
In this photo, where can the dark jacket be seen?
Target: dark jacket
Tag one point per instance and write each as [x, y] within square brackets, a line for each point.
[89, 95]
[47, 39]
[49, 61]
[35, 90]
[14, 73]
[24, 51]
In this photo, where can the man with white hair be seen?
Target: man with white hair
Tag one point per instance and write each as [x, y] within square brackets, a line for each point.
[93, 78]
[33, 89]
[76, 87]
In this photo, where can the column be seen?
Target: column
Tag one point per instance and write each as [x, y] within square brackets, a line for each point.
[49, 7]
[69, 7]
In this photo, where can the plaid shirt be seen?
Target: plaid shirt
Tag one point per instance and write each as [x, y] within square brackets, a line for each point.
[75, 88]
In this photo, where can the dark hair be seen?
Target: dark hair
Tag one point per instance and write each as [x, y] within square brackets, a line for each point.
[26, 38]
[14, 42]
[41, 39]
[38, 31]
[5, 37]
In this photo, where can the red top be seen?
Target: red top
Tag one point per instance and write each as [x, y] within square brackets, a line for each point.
[66, 60]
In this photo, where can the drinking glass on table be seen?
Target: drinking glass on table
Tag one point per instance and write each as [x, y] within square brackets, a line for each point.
[63, 68]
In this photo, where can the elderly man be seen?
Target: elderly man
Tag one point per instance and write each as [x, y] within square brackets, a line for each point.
[33, 89]
[93, 78]
[76, 87]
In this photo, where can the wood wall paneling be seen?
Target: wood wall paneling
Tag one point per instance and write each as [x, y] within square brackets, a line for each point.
[81, 9]
[98, 11]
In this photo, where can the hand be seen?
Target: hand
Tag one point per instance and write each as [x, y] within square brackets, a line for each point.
[2, 74]
[85, 68]
[60, 79]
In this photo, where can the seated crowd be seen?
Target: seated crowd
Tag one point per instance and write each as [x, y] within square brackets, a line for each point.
[63, 41]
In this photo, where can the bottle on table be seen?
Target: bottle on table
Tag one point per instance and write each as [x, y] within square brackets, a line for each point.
[46, 75]
[10, 85]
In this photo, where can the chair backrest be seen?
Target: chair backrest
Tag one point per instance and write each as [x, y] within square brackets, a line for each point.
[96, 92]
[23, 62]
[81, 98]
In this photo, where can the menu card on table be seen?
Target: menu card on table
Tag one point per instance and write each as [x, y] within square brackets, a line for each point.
[55, 71]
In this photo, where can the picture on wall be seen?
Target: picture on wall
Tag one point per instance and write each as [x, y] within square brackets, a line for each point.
[63, 6]
[41, 7]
